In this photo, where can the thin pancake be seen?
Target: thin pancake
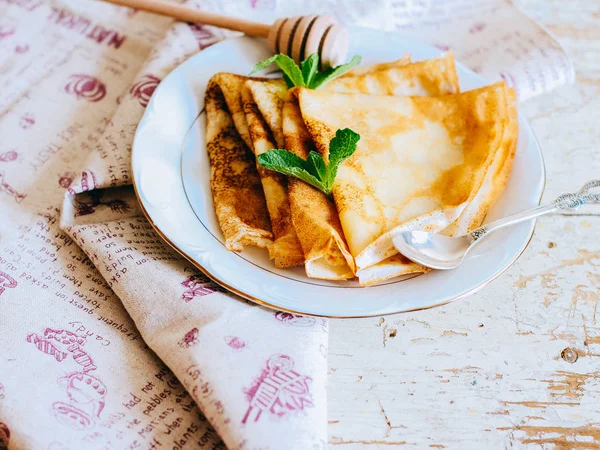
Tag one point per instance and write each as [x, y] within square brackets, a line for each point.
[495, 180]
[361, 70]
[431, 77]
[472, 216]
[314, 214]
[418, 164]
[231, 87]
[237, 191]
[286, 249]
[268, 96]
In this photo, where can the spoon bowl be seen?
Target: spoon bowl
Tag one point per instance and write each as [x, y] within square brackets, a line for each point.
[433, 250]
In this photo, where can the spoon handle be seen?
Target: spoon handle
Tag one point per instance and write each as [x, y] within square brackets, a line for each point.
[565, 201]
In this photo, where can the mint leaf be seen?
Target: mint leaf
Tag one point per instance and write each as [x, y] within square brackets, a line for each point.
[329, 74]
[280, 158]
[309, 68]
[341, 147]
[313, 170]
[288, 163]
[316, 165]
[289, 83]
[291, 69]
[259, 67]
[291, 72]
[307, 75]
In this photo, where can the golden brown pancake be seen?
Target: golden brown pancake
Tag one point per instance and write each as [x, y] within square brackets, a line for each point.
[314, 218]
[361, 70]
[472, 215]
[236, 187]
[268, 97]
[495, 180]
[476, 206]
[285, 249]
[420, 163]
[314, 215]
[231, 88]
[424, 78]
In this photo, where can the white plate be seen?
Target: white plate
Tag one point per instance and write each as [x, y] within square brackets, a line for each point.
[171, 177]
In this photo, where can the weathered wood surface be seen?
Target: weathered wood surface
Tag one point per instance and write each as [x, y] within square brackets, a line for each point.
[516, 365]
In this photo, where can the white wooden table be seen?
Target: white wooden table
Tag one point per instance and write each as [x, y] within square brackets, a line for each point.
[516, 365]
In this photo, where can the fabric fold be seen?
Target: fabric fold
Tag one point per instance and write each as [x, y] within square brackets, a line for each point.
[256, 391]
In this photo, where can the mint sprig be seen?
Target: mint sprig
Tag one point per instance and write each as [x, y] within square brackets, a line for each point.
[307, 75]
[313, 170]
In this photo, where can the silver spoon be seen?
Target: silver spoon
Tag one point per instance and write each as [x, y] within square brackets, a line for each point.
[443, 252]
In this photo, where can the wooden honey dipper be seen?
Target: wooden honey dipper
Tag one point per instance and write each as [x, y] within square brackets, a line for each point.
[297, 37]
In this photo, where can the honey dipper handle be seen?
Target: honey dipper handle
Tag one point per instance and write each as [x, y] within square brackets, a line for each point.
[187, 14]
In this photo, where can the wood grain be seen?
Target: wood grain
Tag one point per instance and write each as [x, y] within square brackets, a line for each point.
[516, 365]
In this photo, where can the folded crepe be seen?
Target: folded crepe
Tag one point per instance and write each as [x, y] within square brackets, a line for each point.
[262, 104]
[236, 187]
[432, 163]
[424, 78]
[285, 250]
[361, 70]
[313, 213]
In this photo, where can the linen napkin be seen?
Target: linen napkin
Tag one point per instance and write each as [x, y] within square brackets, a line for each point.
[76, 77]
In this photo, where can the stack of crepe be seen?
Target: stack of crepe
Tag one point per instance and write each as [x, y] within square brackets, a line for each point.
[429, 158]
